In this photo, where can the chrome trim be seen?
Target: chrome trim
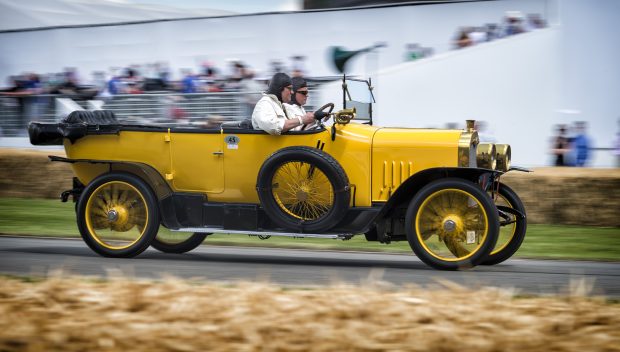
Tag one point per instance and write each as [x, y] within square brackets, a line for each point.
[486, 156]
[503, 156]
[467, 148]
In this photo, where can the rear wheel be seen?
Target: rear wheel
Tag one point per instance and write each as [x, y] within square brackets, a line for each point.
[178, 242]
[451, 224]
[118, 215]
[512, 226]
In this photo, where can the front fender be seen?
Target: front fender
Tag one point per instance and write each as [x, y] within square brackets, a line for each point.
[406, 191]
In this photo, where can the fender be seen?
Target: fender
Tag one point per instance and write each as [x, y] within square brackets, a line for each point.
[154, 179]
[415, 182]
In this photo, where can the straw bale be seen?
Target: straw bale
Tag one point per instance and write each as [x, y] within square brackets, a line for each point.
[553, 195]
[72, 314]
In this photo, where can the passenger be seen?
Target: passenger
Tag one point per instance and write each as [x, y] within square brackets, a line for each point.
[299, 98]
[269, 113]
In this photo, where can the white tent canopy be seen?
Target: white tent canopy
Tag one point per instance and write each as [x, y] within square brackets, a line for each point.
[33, 14]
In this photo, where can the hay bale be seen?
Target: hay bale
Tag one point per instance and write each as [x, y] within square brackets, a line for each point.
[30, 174]
[65, 314]
[570, 196]
[554, 195]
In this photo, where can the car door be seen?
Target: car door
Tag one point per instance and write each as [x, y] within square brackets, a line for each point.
[197, 161]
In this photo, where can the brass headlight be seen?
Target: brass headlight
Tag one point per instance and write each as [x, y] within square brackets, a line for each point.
[485, 156]
[503, 156]
[467, 146]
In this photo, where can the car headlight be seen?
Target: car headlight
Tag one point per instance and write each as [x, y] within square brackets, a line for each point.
[485, 156]
[467, 146]
[503, 156]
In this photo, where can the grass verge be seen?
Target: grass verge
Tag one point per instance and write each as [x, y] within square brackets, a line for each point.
[46, 217]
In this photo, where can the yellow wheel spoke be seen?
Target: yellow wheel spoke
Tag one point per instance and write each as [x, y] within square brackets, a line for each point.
[116, 215]
[303, 191]
[458, 220]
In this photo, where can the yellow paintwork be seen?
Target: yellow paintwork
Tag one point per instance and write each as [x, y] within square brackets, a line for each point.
[376, 160]
[398, 153]
[142, 147]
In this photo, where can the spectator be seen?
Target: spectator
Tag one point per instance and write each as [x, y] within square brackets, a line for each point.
[413, 52]
[617, 146]
[133, 80]
[513, 23]
[115, 84]
[581, 144]
[462, 39]
[190, 82]
[492, 30]
[298, 66]
[534, 21]
[21, 90]
[560, 147]
[478, 35]
[252, 90]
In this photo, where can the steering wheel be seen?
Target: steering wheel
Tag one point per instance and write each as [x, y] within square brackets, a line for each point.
[321, 113]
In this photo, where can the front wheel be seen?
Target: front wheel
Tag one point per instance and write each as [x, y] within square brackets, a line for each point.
[512, 226]
[178, 242]
[451, 224]
[118, 215]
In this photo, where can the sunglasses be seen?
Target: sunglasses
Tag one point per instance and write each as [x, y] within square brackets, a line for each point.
[302, 92]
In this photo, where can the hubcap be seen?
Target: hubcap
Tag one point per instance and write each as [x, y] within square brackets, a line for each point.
[112, 216]
[449, 226]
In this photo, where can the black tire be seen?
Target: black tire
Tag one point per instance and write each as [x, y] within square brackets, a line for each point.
[508, 244]
[118, 215]
[315, 201]
[185, 245]
[451, 224]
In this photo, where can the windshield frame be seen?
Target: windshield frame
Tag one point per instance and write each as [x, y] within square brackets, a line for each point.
[346, 94]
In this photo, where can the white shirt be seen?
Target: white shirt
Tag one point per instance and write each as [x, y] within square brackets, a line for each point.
[268, 115]
[293, 111]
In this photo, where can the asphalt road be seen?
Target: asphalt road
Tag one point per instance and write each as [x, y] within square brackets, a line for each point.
[42, 256]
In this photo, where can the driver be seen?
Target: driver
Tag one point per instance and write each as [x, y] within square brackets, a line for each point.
[269, 113]
[299, 98]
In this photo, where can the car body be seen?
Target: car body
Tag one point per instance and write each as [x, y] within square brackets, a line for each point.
[331, 182]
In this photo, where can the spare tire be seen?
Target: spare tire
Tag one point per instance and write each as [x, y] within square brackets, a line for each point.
[303, 189]
[96, 117]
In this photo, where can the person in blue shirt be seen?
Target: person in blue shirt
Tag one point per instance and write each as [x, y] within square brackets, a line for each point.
[581, 144]
[190, 83]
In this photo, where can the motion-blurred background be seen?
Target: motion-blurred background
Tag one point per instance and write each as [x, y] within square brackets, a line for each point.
[541, 75]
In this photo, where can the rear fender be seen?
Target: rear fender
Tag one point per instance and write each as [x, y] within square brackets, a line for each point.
[154, 179]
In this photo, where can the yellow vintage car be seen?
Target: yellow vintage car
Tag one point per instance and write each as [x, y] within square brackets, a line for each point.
[439, 190]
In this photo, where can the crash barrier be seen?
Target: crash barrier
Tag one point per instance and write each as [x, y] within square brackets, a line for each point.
[165, 108]
[161, 109]
[570, 196]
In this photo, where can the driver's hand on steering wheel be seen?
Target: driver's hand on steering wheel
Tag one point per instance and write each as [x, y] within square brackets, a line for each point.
[308, 118]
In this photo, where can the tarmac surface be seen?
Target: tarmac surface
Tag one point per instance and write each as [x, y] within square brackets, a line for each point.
[25, 256]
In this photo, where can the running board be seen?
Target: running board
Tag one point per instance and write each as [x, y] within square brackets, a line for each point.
[342, 236]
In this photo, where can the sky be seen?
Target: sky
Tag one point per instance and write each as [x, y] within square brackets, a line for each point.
[240, 6]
